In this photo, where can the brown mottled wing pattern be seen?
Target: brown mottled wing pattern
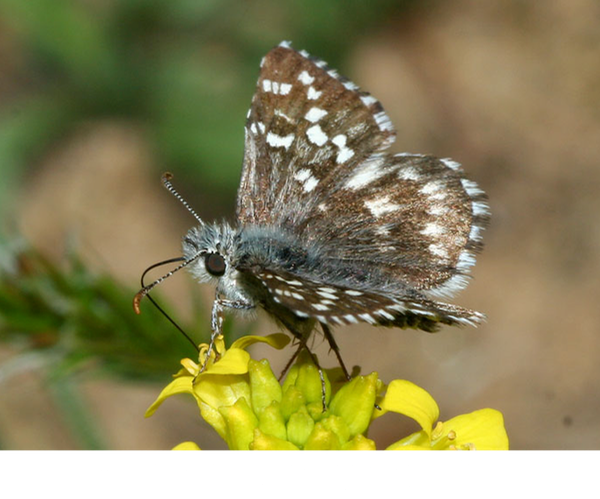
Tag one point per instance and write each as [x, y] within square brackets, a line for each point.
[315, 165]
[336, 305]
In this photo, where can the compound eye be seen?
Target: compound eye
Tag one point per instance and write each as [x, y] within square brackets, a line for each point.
[215, 264]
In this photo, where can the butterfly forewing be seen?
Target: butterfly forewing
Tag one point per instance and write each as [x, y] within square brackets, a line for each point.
[305, 125]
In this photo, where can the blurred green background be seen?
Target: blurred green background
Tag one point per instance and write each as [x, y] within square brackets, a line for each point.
[99, 97]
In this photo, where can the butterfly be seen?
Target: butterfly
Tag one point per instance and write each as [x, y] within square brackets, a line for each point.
[332, 229]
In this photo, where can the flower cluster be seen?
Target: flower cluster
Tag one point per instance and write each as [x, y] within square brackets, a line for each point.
[244, 402]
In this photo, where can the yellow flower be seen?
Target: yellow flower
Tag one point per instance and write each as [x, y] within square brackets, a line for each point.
[222, 391]
[481, 430]
[243, 401]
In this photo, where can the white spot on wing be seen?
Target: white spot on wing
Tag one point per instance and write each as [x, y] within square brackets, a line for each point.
[471, 187]
[350, 85]
[276, 87]
[368, 318]
[438, 250]
[409, 173]
[450, 163]
[315, 114]
[368, 99]
[438, 209]
[433, 229]
[480, 208]
[313, 94]
[310, 182]
[383, 122]
[316, 135]
[366, 173]
[385, 314]
[302, 175]
[325, 294]
[275, 140]
[475, 234]
[432, 186]
[345, 153]
[465, 260]
[305, 78]
[381, 206]
[278, 112]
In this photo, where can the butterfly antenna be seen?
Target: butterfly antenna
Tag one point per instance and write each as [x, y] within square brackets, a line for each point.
[146, 289]
[166, 180]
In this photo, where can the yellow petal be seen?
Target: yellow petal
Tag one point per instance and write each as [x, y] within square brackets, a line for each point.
[277, 340]
[417, 441]
[411, 400]
[214, 418]
[190, 368]
[233, 361]
[482, 430]
[178, 385]
[221, 390]
[186, 446]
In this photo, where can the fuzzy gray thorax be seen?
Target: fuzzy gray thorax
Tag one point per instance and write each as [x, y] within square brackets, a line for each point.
[246, 248]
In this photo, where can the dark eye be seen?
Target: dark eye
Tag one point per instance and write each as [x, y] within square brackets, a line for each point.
[215, 264]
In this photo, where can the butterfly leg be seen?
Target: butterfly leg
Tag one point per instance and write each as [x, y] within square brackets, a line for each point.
[216, 320]
[334, 346]
[304, 346]
[290, 362]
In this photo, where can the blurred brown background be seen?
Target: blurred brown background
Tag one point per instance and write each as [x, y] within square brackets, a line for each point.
[98, 97]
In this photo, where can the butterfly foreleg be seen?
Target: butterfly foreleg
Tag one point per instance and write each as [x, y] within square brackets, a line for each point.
[216, 320]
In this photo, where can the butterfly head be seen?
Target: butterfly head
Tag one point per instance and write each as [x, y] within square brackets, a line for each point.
[214, 246]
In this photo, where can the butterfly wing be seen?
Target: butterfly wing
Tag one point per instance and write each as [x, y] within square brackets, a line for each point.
[305, 123]
[335, 305]
[315, 167]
